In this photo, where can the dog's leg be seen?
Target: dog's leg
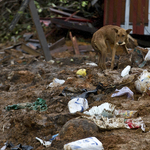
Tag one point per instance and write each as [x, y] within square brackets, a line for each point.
[113, 56]
[103, 50]
[108, 46]
[104, 54]
[100, 60]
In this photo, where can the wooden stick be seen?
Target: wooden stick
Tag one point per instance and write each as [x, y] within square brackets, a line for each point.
[75, 44]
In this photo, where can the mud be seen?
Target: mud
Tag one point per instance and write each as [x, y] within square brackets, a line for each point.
[26, 79]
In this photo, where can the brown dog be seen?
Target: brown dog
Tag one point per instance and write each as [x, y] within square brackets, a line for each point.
[105, 36]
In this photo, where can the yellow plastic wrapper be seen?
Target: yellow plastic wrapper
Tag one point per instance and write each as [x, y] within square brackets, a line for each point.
[81, 72]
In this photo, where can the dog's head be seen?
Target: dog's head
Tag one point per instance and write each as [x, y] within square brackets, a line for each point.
[121, 36]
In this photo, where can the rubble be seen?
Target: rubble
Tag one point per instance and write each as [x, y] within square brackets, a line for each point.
[26, 75]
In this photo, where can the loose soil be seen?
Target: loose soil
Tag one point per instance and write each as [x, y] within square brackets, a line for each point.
[24, 78]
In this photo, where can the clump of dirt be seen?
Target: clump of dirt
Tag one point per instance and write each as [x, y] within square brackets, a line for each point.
[78, 129]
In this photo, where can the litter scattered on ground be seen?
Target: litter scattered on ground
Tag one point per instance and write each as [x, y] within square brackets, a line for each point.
[147, 57]
[78, 104]
[124, 91]
[106, 116]
[18, 147]
[125, 113]
[92, 64]
[39, 104]
[142, 85]
[75, 95]
[85, 144]
[56, 82]
[125, 71]
[44, 143]
[81, 72]
[105, 109]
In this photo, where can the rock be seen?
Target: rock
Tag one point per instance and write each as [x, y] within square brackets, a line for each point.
[77, 128]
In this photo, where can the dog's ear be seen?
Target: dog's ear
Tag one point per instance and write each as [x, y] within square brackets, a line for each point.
[128, 31]
[115, 30]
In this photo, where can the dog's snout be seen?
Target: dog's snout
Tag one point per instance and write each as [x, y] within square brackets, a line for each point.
[120, 43]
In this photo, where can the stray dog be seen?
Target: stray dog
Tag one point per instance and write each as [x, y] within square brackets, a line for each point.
[105, 36]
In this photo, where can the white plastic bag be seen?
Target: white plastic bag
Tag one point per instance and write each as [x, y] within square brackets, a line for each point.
[78, 104]
[125, 71]
[147, 57]
[91, 143]
[56, 82]
[143, 82]
[123, 91]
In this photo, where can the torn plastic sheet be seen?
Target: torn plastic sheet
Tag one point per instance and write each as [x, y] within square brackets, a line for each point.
[118, 123]
[135, 123]
[109, 110]
[125, 113]
[105, 116]
[92, 64]
[105, 109]
[123, 91]
[56, 82]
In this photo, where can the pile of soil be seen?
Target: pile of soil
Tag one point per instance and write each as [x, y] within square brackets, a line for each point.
[26, 79]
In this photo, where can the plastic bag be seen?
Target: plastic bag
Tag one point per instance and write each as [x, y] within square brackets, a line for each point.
[78, 104]
[123, 91]
[147, 57]
[56, 82]
[125, 71]
[143, 82]
[91, 143]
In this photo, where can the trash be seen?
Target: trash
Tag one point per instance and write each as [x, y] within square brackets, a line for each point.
[18, 147]
[78, 104]
[56, 82]
[124, 113]
[91, 143]
[105, 109]
[117, 123]
[81, 72]
[125, 71]
[143, 83]
[106, 116]
[123, 91]
[54, 137]
[39, 104]
[135, 123]
[92, 64]
[147, 57]
[4, 147]
[137, 57]
[69, 91]
[87, 93]
[45, 143]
